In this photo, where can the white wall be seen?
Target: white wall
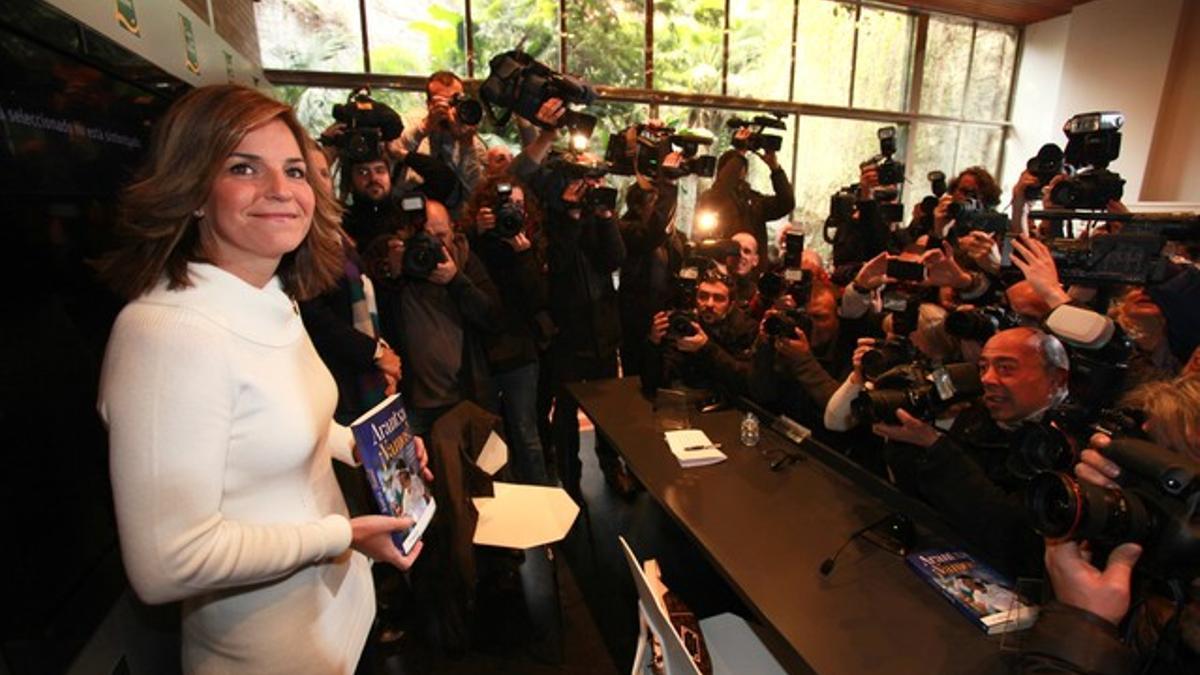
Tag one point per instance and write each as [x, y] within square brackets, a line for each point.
[1115, 56]
[160, 40]
[1173, 174]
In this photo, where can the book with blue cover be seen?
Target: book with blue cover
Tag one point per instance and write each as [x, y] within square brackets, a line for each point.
[387, 450]
[981, 593]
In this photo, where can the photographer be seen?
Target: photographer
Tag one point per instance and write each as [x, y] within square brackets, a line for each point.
[503, 222]
[707, 351]
[584, 248]
[654, 252]
[1101, 621]
[974, 186]
[969, 473]
[738, 207]
[438, 132]
[435, 302]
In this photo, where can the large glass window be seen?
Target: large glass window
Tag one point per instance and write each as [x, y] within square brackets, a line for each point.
[824, 52]
[881, 69]
[760, 48]
[417, 36]
[299, 35]
[992, 66]
[501, 25]
[688, 45]
[947, 59]
[606, 41]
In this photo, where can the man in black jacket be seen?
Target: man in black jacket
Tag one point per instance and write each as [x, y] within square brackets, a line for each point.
[970, 473]
[714, 356]
[435, 323]
[738, 207]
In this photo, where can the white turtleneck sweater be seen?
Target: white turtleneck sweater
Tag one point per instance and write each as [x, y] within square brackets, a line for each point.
[220, 432]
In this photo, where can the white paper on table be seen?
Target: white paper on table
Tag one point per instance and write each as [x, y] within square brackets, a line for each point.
[702, 453]
[494, 455]
[523, 516]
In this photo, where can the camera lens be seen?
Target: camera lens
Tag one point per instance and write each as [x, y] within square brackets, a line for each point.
[1063, 508]
[1054, 503]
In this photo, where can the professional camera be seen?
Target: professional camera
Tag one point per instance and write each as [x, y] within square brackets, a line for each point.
[1132, 256]
[521, 84]
[1093, 141]
[841, 212]
[641, 149]
[595, 197]
[680, 324]
[890, 170]
[423, 252]
[759, 139]
[1045, 165]
[923, 394]
[772, 284]
[937, 186]
[886, 355]
[510, 219]
[981, 323]
[785, 324]
[1154, 506]
[970, 216]
[369, 124]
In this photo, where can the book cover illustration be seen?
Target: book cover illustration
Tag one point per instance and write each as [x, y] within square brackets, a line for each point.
[978, 591]
[388, 453]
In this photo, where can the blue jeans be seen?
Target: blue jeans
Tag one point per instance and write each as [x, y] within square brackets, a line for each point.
[518, 400]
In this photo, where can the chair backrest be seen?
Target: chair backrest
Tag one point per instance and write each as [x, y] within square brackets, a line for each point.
[676, 660]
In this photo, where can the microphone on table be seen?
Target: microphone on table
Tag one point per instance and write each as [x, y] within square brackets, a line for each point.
[900, 527]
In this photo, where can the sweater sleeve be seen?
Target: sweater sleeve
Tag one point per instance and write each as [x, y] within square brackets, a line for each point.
[167, 396]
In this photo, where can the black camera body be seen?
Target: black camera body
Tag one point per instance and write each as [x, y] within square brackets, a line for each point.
[887, 355]
[521, 84]
[981, 323]
[972, 216]
[510, 219]
[1155, 506]
[423, 252]
[794, 282]
[1045, 165]
[785, 324]
[466, 109]
[922, 393]
[650, 147]
[1093, 142]
[369, 124]
[891, 170]
[1092, 189]
[758, 139]
[680, 324]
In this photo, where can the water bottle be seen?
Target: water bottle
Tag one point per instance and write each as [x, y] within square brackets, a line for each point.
[749, 430]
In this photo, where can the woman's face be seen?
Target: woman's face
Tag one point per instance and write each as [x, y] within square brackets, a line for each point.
[260, 205]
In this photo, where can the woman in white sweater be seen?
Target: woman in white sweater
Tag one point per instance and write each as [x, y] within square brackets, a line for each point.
[219, 409]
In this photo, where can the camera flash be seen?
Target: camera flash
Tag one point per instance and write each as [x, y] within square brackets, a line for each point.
[579, 142]
[706, 221]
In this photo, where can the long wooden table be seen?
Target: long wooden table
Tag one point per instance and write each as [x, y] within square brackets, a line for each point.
[768, 532]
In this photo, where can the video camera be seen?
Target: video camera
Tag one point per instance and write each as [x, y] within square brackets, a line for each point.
[595, 197]
[641, 149]
[1132, 256]
[1045, 165]
[521, 84]
[759, 139]
[1155, 506]
[369, 124]
[1093, 141]
[922, 393]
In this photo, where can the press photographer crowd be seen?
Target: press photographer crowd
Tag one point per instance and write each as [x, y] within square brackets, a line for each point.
[1033, 374]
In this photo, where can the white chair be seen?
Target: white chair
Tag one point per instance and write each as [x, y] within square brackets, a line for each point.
[732, 645]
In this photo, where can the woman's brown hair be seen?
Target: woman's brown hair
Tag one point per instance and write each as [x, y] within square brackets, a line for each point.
[485, 196]
[157, 231]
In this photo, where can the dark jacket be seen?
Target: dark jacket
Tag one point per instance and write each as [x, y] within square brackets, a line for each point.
[523, 312]
[582, 255]
[653, 257]
[366, 220]
[740, 208]
[721, 366]
[421, 320]
[974, 477]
